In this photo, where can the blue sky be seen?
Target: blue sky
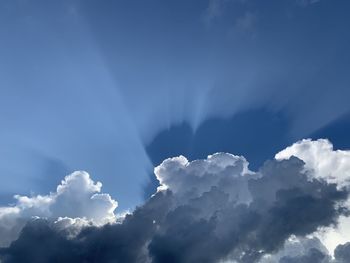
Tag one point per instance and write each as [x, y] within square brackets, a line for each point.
[115, 87]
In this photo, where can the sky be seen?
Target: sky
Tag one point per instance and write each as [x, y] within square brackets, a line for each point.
[114, 88]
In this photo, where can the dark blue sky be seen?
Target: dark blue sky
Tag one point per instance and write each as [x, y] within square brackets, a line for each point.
[114, 87]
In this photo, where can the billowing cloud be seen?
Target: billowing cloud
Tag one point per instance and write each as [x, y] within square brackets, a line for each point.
[342, 253]
[222, 170]
[298, 249]
[210, 210]
[77, 197]
[322, 161]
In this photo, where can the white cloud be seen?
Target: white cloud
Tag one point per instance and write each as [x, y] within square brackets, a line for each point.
[79, 196]
[77, 201]
[181, 176]
[322, 161]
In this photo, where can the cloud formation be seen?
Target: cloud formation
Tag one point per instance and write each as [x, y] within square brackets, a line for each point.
[210, 210]
[323, 162]
[78, 196]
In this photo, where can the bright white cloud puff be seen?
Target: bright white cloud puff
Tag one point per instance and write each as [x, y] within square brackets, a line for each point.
[78, 196]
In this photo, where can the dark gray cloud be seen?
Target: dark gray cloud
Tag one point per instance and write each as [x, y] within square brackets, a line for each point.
[297, 248]
[40, 241]
[206, 210]
[342, 253]
[313, 256]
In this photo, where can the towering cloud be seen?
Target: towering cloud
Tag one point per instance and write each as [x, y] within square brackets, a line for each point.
[211, 210]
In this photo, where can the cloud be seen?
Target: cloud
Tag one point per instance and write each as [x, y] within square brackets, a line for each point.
[315, 254]
[323, 162]
[297, 248]
[208, 210]
[126, 242]
[76, 199]
[192, 179]
[342, 253]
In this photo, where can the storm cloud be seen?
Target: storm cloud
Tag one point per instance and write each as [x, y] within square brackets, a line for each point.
[208, 210]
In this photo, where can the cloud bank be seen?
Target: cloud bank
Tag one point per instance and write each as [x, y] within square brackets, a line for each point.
[210, 210]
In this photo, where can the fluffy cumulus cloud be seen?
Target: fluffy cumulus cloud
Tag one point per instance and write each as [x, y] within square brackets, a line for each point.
[210, 210]
[77, 201]
[192, 179]
[321, 160]
[333, 166]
